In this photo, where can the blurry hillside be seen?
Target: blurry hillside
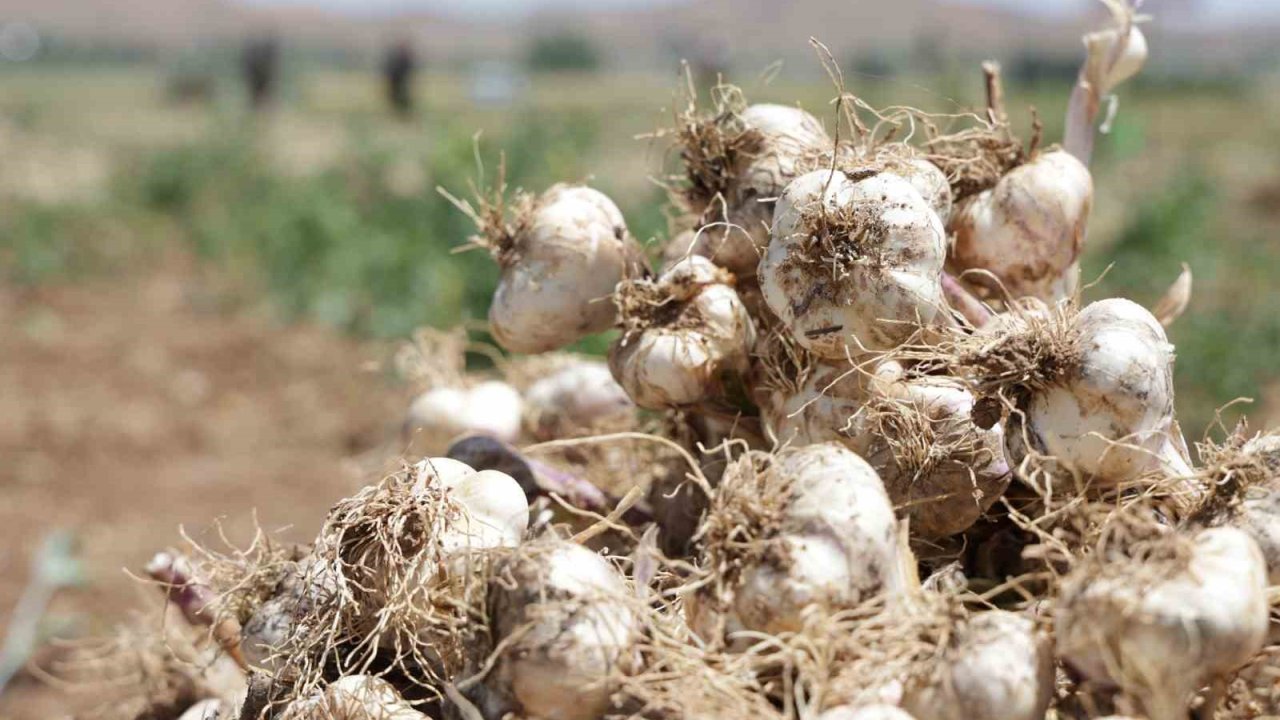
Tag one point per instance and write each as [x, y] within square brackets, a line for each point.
[650, 36]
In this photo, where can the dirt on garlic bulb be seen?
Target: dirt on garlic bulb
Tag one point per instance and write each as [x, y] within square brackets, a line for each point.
[1000, 666]
[683, 334]
[563, 613]
[1163, 627]
[829, 530]
[854, 263]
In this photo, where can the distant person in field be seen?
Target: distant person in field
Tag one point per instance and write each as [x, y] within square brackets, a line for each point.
[261, 60]
[398, 69]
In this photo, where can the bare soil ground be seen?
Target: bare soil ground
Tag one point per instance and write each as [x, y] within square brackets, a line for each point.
[132, 406]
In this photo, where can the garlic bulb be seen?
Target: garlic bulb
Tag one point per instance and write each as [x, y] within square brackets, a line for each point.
[999, 667]
[564, 610]
[489, 508]
[442, 414]
[865, 712]
[575, 396]
[1256, 506]
[853, 265]
[902, 160]
[464, 511]
[1029, 229]
[1110, 415]
[205, 710]
[789, 133]
[1160, 632]
[559, 269]
[734, 228]
[940, 469]
[835, 545]
[826, 408]
[268, 631]
[686, 330]
[353, 697]
[472, 511]
[928, 180]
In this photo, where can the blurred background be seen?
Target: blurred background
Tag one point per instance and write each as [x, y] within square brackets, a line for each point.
[217, 217]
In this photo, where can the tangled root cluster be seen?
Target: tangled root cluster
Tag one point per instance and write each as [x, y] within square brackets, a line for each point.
[1029, 349]
[714, 147]
[918, 441]
[745, 516]
[974, 159]
[1231, 467]
[882, 649]
[663, 302]
[148, 669]
[502, 217]
[435, 358]
[844, 237]
[381, 596]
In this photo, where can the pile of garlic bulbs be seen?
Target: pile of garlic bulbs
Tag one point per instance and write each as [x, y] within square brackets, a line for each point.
[859, 450]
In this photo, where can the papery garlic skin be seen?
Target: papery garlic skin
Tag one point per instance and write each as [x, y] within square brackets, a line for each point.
[865, 712]
[557, 281]
[442, 414]
[824, 409]
[576, 628]
[887, 283]
[1101, 48]
[1029, 229]
[205, 710]
[941, 496]
[838, 545]
[491, 508]
[1162, 637]
[575, 396]
[680, 359]
[1112, 416]
[999, 668]
[353, 697]
[787, 136]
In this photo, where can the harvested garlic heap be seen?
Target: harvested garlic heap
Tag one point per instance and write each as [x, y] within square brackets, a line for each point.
[860, 450]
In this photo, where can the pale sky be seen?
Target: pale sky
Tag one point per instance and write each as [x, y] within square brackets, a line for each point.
[1212, 10]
